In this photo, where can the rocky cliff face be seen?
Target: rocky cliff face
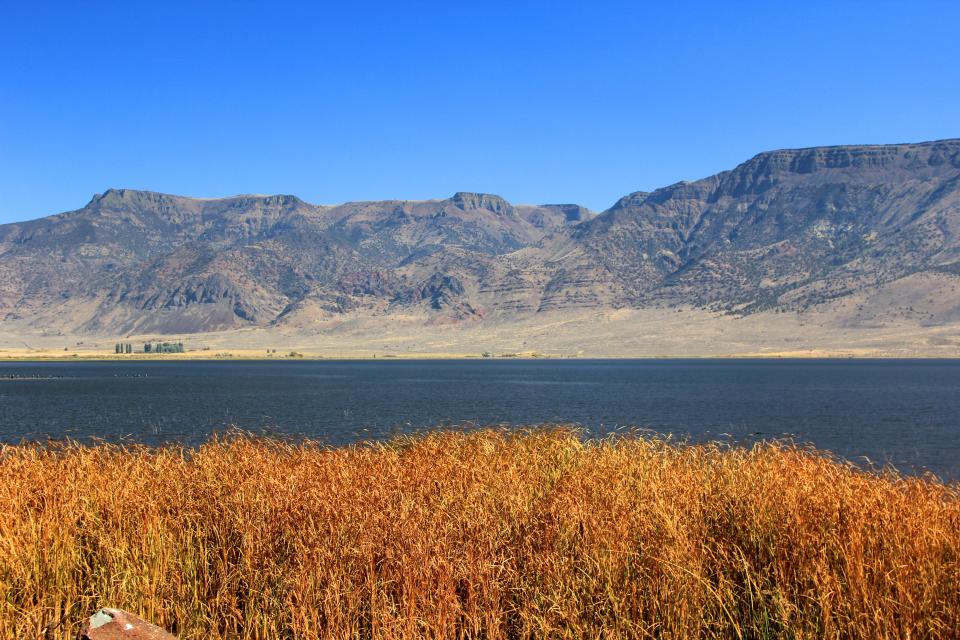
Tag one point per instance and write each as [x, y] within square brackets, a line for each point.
[786, 230]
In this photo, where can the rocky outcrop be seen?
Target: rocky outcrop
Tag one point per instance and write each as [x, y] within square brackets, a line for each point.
[472, 201]
[368, 283]
[114, 624]
[439, 291]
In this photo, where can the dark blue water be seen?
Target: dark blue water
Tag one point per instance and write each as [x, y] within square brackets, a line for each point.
[905, 413]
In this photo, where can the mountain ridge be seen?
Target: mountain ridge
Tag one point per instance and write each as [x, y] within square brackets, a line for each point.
[788, 230]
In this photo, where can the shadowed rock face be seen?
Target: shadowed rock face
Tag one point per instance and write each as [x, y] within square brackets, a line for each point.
[787, 229]
[114, 624]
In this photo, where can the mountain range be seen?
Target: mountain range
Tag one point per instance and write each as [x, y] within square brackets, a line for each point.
[873, 230]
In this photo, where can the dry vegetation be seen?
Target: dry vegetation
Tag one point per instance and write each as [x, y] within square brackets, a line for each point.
[486, 534]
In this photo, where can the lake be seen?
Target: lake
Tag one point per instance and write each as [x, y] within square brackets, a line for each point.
[900, 412]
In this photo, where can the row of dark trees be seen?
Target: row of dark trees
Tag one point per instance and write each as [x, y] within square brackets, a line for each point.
[149, 347]
[163, 347]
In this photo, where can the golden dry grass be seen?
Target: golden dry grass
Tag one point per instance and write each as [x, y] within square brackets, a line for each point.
[487, 534]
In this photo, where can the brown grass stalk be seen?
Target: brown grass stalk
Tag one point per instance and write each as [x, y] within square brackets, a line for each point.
[488, 534]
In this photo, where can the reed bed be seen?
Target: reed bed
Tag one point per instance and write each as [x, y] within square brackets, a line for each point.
[486, 534]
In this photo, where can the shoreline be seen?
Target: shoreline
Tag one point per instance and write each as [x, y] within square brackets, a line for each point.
[245, 357]
[293, 355]
[452, 357]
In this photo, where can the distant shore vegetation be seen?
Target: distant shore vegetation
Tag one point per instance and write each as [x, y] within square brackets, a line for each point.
[149, 347]
[475, 534]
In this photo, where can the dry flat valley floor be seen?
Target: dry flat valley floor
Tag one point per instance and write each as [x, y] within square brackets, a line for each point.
[684, 332]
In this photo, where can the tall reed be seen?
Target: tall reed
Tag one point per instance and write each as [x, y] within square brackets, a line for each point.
[488, 534]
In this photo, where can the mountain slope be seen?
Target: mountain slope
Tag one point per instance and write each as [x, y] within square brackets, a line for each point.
[786, 228]
[133, 260]
[790, 230]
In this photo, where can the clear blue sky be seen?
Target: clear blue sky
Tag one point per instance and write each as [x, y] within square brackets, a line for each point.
[536, 101]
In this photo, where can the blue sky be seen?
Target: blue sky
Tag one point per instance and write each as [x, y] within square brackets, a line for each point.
[536, 101]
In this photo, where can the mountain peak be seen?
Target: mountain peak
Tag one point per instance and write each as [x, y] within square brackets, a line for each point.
[630, 200]
[858, 157]
[853, 164]
[466, 200]
[278, 200]
[133, 197]
[114, 195]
